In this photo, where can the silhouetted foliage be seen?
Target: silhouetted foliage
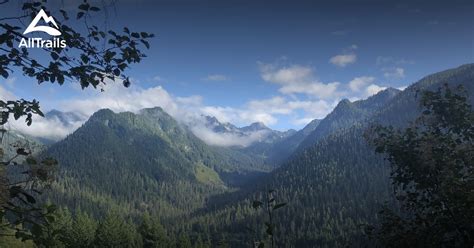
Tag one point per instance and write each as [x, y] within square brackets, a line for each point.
[269, 205]
[432, 172]
[91, 58]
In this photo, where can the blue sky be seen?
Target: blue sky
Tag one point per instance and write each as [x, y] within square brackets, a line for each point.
[282, 63]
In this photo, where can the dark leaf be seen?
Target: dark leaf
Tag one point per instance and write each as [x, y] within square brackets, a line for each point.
[79, 15]
[55, 56]
[280, 205]
[84, 6]
[256, 204]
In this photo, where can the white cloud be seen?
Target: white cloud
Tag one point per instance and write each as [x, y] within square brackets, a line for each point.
[317, 89]
[297, 79]
[402, 87]
[342, 60]
[394, 73]
[363, 87]
[374, 89]
[189, 109]
[287, 75]
[190, 100]
[318, 109]
[251, 116]
[239, 116]
[358, 83]
[274, 105]
[282, 106]
[216, 77]
[120, 99]
[52, 129]
[302, 121]
[227, 139]
[312, 110]
[391, 67]
[347, 57]
[41, 127]
[317, 99]
[185, 109]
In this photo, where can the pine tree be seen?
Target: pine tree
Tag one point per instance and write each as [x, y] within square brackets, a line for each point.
[114, 231]
[183, 242]
[152, 232]
[83, 231]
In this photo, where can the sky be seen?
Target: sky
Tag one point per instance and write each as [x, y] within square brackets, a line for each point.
[281, 63]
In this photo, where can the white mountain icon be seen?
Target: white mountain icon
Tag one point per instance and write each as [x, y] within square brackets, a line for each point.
[47, 19]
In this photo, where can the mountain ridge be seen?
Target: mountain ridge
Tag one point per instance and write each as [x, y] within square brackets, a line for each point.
[334, 187]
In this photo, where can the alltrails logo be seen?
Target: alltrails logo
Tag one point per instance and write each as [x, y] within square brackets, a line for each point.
[40, 42]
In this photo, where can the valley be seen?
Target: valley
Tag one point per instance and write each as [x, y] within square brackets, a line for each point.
[147, 162]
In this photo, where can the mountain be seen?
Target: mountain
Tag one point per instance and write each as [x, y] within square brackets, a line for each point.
[256, 140]
[283, 149]
[266, 134]
[212, 123]
[64, 122]
[67, 119]
[347, 114]
[333, 181]
[136, 162]
[254, 127]
[405, 107]
[334, 187]
[275, 147]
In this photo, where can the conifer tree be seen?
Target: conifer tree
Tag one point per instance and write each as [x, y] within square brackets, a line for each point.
[114, 231]
[183, 241]
[152, 232]
[82, 234]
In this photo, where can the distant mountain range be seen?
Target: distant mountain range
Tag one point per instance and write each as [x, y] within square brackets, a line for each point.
[257, 140]
[66, 118]
[112, 153]
[148, 161]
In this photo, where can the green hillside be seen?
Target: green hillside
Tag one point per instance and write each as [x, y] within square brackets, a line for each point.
[335, 187]
[136, 162]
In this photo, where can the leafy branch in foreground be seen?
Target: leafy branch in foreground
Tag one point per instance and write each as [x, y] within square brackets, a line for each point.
[18, 204]
[18, 109]
[432, 174]
[90, 59]
[269, 205]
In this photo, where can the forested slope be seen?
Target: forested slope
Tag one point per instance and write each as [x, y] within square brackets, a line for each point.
[138, 162]
[333, 188]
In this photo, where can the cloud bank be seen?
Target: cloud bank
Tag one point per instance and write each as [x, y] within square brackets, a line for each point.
[302, 97]
[227, 139]
[52, 128]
